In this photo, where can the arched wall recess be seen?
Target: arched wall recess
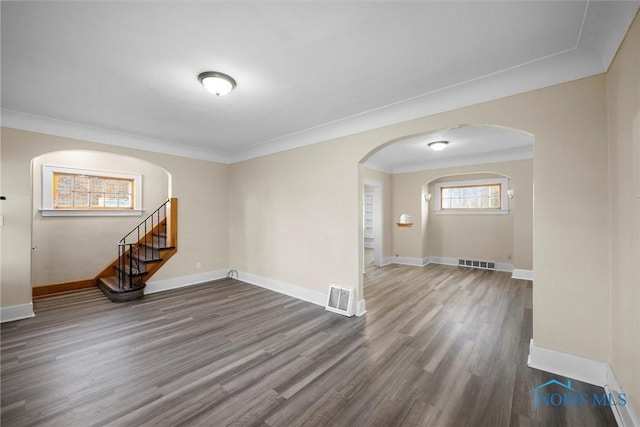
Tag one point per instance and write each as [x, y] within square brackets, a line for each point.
[481, 235]
[67, 249]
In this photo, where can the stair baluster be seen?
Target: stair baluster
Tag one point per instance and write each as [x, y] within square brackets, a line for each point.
[141, 252]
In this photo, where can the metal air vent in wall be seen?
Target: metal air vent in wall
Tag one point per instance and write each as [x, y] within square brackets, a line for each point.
[474, 263]
[341, 300]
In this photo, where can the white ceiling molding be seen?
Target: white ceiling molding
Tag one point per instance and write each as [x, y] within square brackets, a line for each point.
[32, 123]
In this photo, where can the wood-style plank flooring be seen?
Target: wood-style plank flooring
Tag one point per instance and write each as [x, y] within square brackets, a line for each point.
[439, 346]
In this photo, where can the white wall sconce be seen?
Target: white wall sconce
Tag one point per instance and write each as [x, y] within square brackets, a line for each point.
[427, 197]
[510, 194]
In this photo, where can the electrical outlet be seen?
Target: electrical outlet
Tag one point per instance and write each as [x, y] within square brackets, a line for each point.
[198, 265]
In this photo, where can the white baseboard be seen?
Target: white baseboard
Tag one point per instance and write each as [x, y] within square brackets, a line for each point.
[500, 266]
[441, 260]
[503, 266]
[361, 308]
[294, 291]
[387, 261]
[625, 415]
[180, 282]
[567, 365]
[585, 370]
[416, 262]
[421, 262]
[16, 312]
[522, 274]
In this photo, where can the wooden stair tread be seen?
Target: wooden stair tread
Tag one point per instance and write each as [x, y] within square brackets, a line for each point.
[158, 247]
[141, 269]
[152, 255]
[110, 287]
[141, 253]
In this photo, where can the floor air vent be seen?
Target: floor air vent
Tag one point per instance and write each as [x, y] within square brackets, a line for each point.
[340, 300]
[473, 263]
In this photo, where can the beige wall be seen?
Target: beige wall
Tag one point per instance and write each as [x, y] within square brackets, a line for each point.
[495, 237]
[200, 186]
[468, 236]
[623, 90]
[75, 248]
[296, 215]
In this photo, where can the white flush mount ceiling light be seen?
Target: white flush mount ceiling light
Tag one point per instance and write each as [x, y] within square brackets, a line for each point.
[438, 145]
[217, 83]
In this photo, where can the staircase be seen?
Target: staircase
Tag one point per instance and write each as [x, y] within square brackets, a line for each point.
[141, 253]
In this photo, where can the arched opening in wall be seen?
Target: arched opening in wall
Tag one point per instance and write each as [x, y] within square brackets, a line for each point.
[408, 170]
[468, 220]
[73, 245]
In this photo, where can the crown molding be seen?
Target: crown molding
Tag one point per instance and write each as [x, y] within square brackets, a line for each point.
[62, 128]
[572, 64]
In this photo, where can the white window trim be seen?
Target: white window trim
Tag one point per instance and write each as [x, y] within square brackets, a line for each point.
[47, 193]
[504, 202]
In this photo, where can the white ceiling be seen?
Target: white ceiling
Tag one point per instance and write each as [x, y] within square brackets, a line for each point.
[125, 73]
[467, 145]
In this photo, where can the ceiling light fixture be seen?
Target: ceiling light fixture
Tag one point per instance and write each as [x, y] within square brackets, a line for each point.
[438, 145]
[217, 83]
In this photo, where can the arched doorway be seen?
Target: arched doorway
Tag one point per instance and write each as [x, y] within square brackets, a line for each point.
[408, 164]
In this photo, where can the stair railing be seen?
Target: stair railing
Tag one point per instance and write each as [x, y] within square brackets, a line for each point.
[129, 254]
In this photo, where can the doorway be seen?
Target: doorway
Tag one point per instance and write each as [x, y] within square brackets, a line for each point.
[372, 223]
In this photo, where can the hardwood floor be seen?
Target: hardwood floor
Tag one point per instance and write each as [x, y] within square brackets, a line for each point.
[439, 346]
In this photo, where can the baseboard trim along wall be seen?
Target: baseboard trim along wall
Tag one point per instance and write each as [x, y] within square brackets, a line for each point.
[361, 308]
[416, 262]
[294, 291]
[567, 365]
[500, 266]
[298, 292]
[522, 274]
[57, 288]
[387, 261]
[440, 260]
[585, 370]
[625, 415]
[421, 262]
[180, 282]
[16, 312]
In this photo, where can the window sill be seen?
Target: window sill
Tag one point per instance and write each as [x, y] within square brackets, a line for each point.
[472, 212]
[91, 212]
